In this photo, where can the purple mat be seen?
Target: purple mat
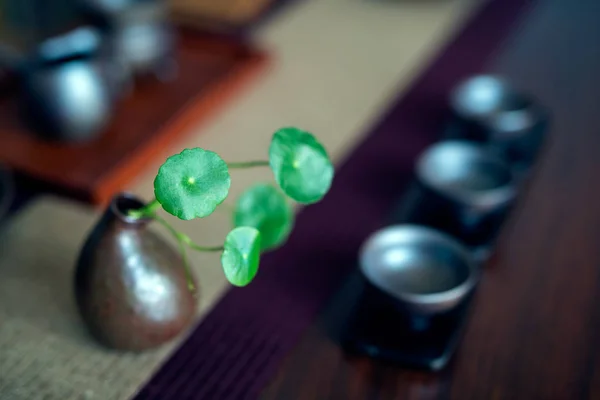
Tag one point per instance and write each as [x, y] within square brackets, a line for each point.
[238, 347]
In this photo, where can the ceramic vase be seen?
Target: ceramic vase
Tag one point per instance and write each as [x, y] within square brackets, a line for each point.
[130, 284]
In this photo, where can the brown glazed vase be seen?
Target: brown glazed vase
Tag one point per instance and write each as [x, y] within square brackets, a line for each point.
[130, 284]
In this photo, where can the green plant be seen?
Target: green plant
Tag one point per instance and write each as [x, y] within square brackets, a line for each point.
[193, 183]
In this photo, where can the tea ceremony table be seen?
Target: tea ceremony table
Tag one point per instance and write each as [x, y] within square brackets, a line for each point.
[532, 331]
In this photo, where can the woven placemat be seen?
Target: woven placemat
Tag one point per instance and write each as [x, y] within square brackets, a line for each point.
[45, 350]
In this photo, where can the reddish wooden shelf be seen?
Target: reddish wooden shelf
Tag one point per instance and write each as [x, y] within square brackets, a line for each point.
[211, 70]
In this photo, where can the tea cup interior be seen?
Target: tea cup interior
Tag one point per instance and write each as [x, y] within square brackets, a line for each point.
[419, 266]
[481, 96]
[518, 114]
[465, 171]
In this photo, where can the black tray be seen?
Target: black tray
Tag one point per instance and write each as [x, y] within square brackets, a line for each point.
[378, 329]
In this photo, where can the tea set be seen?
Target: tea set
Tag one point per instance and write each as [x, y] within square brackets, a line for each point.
[421, 272]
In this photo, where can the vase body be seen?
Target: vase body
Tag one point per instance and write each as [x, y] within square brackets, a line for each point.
[130, 285]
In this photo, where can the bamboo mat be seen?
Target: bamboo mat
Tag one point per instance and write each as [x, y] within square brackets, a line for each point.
[330, 86]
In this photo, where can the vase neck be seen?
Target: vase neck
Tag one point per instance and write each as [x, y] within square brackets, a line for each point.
[119, 208]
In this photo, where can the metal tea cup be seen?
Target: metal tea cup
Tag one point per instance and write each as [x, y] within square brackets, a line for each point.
[492, 111]
[469, 188]
[424, 271]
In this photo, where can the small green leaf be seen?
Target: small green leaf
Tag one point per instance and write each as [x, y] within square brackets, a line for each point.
[241, 255]
[192, 184]
[301, 165]
[265, 208]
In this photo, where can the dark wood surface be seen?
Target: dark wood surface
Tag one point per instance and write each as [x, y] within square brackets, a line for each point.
[211, 69]
[535, 328]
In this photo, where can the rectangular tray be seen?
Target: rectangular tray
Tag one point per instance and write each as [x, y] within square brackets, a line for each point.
[211, 69]
[222, 13]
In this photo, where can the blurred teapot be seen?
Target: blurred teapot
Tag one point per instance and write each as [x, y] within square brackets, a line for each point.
[138, 31]
[68, 85]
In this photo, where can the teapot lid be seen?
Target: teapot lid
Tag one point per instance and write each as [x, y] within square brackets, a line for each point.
[76, 43]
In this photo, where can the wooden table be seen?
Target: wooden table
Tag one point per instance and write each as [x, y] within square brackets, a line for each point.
[535, 328]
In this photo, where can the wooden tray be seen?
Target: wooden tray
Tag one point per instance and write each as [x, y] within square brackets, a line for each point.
[222, 13]
[211, 69]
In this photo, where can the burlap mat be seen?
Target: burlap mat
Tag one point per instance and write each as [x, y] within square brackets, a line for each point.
[45, 351]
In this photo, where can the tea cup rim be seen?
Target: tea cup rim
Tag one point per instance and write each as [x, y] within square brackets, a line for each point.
[419, 299]
[485, 198]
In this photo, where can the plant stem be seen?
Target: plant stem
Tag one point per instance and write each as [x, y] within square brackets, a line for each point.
[182, 237]
[181, 242]
[248, 164]
[147, 211]
[194, 246]
[151, 207]
[187, 240]
[186, 267]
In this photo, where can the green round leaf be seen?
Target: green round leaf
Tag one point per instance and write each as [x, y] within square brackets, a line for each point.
[301, 165]
[192, 184]
[265, 208]
[241, 255]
